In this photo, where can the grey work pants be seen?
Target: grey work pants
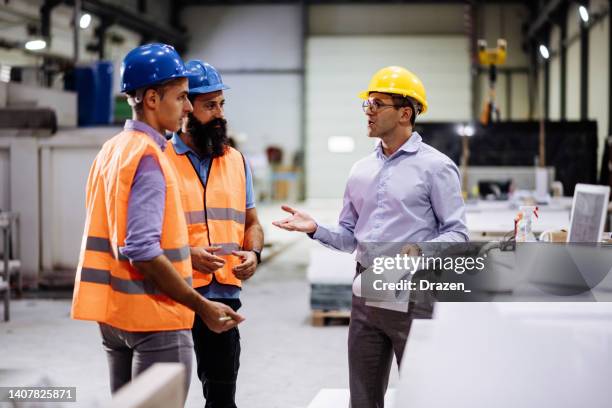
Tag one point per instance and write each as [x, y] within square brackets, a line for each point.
[375, 335]
[131, 353]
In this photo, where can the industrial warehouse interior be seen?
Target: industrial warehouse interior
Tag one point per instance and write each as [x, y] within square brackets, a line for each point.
[305, 204]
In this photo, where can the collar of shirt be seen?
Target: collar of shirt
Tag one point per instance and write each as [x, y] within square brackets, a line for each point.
[411, 145]
[180, 147]
[144, 128]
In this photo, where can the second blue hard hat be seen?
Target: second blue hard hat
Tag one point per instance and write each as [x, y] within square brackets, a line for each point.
[151, 64]
[204, 78]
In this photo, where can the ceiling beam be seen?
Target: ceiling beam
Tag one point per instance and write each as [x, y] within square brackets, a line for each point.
[135, 21]
[545, 16]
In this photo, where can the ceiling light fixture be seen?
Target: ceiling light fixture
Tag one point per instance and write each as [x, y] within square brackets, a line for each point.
[584, 14]
[35, 45]
[85, 21]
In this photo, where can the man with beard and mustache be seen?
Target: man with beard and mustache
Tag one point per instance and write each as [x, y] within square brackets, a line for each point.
[225, 235]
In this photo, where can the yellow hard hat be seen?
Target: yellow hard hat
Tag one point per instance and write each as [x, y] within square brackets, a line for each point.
[397, 80]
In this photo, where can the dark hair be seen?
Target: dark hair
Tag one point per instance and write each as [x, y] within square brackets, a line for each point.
[400, 101]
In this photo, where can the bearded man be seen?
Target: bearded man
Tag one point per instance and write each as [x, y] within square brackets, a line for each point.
[225, 236]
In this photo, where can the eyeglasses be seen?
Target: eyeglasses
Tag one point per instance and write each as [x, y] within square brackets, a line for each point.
[375, 105]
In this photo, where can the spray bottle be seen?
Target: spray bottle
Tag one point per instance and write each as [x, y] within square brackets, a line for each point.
[523, 223]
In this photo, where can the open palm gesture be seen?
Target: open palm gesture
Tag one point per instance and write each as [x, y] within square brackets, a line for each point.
[298, 221]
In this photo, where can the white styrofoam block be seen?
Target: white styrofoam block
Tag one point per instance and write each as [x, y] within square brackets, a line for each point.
[482, 355]
[63, 102]
[330, 267]
[160, 386]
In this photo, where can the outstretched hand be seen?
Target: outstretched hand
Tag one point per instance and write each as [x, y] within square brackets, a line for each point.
[298, 221]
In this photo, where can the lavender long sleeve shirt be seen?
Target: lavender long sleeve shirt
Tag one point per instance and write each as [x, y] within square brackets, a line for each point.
[414, 196]
[146, 203]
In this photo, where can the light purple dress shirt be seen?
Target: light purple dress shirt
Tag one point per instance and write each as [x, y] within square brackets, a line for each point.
[412, 196]
[146, 203]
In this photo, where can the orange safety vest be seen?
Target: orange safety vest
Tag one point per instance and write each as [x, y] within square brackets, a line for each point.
[107, 287]
[215, 212]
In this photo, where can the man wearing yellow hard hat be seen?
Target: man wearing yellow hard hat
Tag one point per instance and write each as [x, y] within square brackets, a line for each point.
[405, 191]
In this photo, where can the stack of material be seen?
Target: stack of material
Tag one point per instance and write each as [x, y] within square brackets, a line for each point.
[330, 274]
[330, 297]
[33, 118]
[36, 110]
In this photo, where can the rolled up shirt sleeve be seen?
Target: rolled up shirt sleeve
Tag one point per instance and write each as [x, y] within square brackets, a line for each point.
[447, 203]
[146, 206]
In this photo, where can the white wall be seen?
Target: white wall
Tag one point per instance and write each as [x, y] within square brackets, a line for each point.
[64, 169]
[265, 107]
[391, 19]
[599, 80]
[244, 37]
[573, 66]
[257, 50]
[554, 112]
[339, 67]
[43, 179]
[520, 97]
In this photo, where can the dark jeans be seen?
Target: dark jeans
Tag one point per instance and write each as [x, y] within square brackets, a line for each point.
[218, 359]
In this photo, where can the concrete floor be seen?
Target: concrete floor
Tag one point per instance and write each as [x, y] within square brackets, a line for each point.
[285, 361]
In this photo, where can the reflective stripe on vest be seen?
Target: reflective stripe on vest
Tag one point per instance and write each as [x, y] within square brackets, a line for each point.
[132, 287]
[220, 221]
[223, 214]
[107, 287]
[104, 245]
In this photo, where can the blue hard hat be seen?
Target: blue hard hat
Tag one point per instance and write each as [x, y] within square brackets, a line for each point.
[204, 78]
[150, 64]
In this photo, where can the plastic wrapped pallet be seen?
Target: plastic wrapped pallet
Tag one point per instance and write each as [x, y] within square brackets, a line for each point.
[330, 274]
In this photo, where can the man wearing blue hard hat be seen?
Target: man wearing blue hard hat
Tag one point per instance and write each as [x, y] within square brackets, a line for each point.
[134, 275]
[225, 235]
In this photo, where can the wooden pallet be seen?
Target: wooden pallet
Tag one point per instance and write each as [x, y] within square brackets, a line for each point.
[327, 317]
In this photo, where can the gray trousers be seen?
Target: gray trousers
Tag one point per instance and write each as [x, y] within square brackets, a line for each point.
[131, 353]
[375, 335]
